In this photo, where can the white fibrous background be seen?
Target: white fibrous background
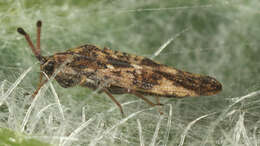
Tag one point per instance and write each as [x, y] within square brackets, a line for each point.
[219, 38]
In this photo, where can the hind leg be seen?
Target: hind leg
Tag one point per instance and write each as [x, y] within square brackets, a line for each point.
[158, 102]
[145, 99]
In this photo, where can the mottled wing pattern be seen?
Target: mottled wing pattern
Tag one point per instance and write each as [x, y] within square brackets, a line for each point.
[124, 72]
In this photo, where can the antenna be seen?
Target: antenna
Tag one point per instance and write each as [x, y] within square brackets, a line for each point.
[39, 26]
[36, 51]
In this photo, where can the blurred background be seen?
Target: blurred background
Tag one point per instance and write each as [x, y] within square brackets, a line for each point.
[219, 38]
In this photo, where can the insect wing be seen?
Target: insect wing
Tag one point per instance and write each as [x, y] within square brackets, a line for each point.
[123, 72]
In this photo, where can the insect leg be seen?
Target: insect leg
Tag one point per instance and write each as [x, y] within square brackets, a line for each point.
[158, 102]
[38, 43]
[40, 84]
[113, 98]
[146, 100]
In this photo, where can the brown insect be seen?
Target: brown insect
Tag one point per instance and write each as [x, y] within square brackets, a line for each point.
[114, 72]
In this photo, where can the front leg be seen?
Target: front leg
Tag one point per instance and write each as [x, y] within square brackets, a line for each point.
[40, 84]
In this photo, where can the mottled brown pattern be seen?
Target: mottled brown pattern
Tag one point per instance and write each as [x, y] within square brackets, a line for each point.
[135, 73]
[118, 63]
[106, 51]
[117, 73]
[101, 64]
[149, 62]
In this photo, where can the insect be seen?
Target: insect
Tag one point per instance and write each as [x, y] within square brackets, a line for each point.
[114, 72]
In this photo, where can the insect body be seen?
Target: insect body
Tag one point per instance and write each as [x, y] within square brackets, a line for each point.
[114, 72]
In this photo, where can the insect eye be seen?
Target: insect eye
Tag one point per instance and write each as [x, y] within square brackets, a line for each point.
[49, 67]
